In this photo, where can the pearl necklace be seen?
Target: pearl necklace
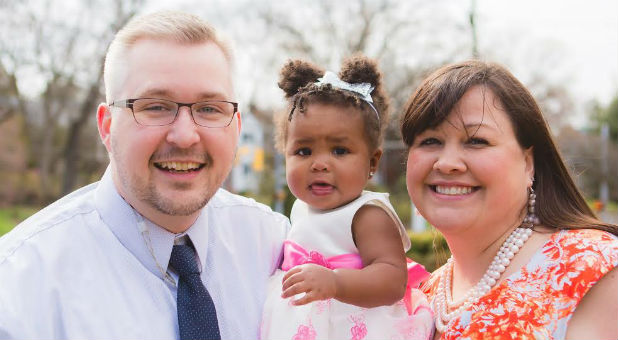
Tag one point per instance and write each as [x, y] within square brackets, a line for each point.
[442, 301]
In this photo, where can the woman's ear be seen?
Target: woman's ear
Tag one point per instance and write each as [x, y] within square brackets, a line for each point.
[529, 159]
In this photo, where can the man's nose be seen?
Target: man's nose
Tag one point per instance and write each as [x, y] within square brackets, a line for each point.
[183, 131]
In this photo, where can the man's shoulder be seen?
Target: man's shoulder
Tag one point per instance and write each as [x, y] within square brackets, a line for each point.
[225, 204]
[62, 212]
[224, 199]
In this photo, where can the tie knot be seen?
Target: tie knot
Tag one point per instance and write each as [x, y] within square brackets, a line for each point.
[183, 260]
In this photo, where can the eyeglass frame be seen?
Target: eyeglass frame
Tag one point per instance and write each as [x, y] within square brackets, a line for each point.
[128, 103]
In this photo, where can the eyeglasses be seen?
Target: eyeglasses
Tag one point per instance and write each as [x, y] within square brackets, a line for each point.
[159, 112]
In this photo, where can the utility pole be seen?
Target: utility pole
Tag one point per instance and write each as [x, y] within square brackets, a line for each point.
[604, 186]
[279, 182]
[472, 17]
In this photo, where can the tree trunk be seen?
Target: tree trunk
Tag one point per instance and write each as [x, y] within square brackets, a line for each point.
[72, 152]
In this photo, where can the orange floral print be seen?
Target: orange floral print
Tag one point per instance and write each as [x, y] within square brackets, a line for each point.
[537, 301]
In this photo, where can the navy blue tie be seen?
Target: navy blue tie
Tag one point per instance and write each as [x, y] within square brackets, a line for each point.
[197, 317]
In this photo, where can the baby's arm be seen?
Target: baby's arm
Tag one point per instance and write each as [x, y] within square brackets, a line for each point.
[381, 282]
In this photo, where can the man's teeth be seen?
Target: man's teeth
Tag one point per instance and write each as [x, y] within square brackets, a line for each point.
[179, 166]
[451, 190]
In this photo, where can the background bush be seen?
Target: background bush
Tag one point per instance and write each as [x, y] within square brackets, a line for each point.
[428, 248]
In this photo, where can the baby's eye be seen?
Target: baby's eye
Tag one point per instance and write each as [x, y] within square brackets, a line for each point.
[477, 141]
[429, 141]
[303, 152]
[340, 151]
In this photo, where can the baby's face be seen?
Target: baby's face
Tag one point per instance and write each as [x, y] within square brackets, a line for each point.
[327, 157]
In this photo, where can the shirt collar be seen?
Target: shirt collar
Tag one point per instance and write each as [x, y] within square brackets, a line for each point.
[198, 233]
[123, 221]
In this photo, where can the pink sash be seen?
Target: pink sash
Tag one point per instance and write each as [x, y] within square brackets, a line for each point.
[295, 255]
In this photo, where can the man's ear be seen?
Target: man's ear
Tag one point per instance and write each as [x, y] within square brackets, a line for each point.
[238, 121]
[104, 123]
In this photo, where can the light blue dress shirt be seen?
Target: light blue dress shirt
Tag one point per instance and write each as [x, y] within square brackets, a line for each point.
[85, 267]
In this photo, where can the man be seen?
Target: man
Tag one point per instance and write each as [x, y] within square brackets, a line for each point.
[155, 249]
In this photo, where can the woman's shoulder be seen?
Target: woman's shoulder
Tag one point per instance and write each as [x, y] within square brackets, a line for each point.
[585, 255]
[431, 284]
[591, 240]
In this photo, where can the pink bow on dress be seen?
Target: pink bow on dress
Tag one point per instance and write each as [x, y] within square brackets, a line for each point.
[295, 255]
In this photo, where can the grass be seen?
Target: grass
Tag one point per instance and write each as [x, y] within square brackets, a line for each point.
[612, 207]
[11, 216]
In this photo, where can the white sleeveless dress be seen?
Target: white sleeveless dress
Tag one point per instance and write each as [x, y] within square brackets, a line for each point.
[325, 238]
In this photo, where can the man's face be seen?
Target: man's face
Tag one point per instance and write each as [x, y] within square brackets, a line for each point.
[168, 173]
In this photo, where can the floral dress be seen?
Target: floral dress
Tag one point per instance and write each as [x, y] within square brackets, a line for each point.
[538, 301]
[325, 238]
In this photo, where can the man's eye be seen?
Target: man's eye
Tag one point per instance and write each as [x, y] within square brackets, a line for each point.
[156, 108]
[208, 109]
[303, 152]
[152, 107]
[340, 151]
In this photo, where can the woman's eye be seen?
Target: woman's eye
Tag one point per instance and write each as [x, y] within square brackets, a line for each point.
[340, 151]
[477, 141]
[429, 141]
[303, 152]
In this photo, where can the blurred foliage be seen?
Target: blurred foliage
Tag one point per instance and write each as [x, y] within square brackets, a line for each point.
[581, 150]
[606, 115]
[428, 248]
[11, 216]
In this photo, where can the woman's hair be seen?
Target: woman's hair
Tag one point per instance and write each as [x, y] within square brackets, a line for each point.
[164, 25]
[559, 202]
[298, 79]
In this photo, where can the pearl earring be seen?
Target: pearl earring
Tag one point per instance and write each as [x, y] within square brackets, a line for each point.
[531, 218]
[371, 173]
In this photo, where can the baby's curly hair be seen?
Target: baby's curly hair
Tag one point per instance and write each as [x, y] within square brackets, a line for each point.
[298, 80]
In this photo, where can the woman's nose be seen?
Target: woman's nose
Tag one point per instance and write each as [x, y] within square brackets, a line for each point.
[450, 160]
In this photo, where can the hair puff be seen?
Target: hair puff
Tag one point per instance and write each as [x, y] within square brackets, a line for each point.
[359, 69]
[296, 74]
[298, 79]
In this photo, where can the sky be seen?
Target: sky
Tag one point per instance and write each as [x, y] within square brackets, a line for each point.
[578, 39]
[584, 32]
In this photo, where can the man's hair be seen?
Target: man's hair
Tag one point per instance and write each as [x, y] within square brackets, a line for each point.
[165, 25]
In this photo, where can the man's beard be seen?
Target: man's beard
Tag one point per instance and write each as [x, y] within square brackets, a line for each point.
[148, 193]
[167, 206]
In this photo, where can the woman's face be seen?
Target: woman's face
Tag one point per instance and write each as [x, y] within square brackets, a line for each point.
[470, 172]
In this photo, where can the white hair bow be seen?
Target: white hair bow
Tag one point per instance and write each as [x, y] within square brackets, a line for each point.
[362, 90]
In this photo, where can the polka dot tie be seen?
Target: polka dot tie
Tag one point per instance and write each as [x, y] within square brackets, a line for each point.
[197, 317]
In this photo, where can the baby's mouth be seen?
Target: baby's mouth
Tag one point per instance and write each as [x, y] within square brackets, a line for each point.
[321, 188]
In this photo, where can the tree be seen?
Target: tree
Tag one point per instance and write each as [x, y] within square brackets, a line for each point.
[54, 71]
[393, 32]
[606, 115]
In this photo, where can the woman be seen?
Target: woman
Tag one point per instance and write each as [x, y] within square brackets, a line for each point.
[529, 257]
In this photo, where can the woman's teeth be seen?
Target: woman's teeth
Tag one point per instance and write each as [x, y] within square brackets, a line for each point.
[453, 190]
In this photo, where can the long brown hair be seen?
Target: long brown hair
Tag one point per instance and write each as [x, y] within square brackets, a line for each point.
[560, 204]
